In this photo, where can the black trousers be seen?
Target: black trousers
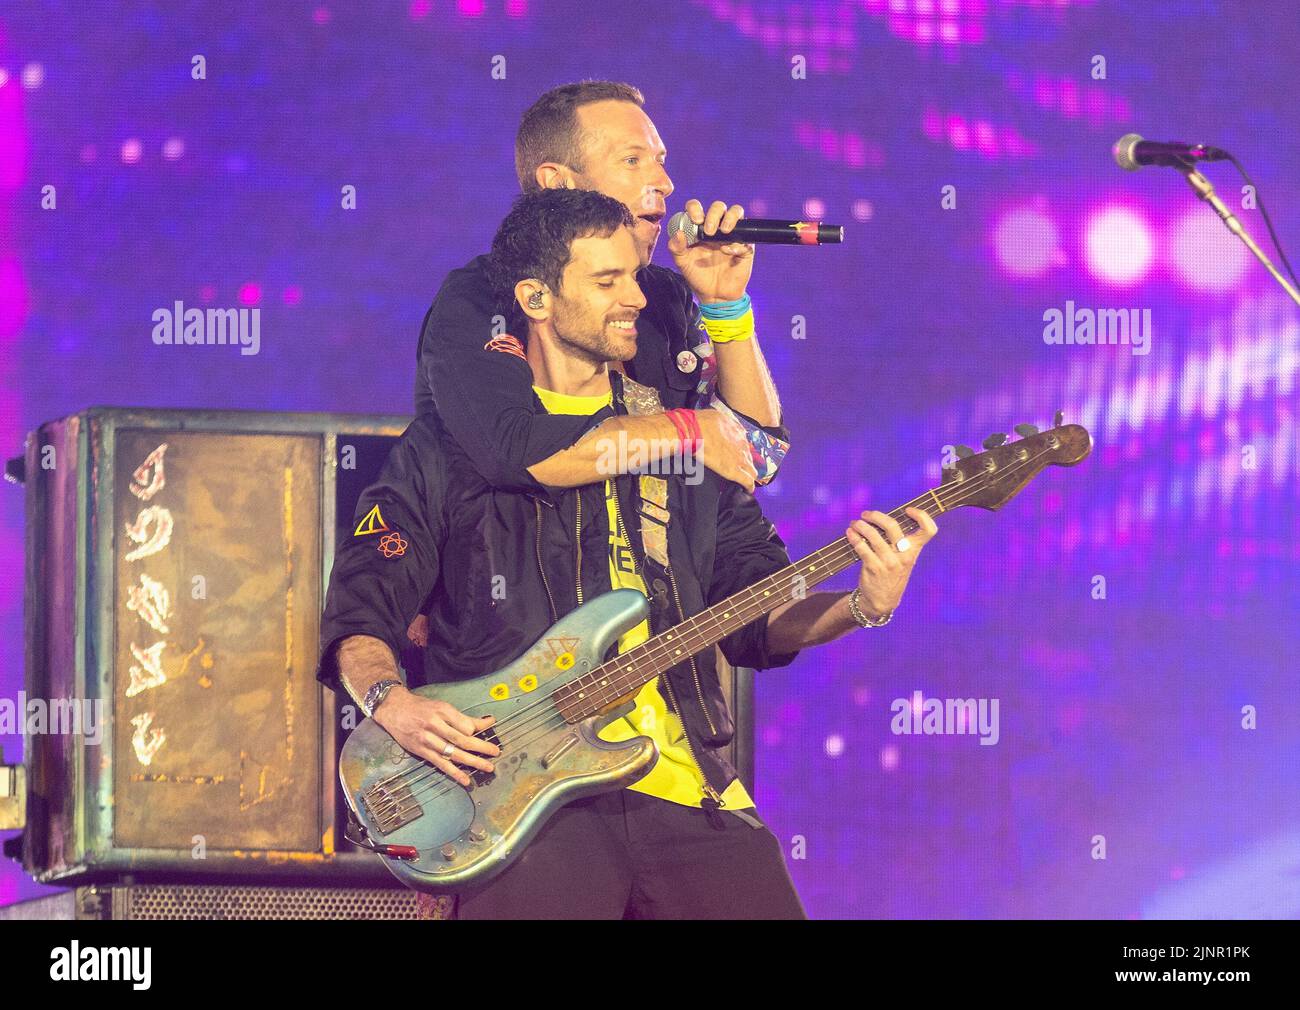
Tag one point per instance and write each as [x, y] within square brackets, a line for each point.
[625, 855]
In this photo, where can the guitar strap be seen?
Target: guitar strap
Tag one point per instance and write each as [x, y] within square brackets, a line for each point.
[652, 509]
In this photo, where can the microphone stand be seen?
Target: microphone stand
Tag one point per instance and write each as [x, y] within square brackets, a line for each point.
[1201, 186]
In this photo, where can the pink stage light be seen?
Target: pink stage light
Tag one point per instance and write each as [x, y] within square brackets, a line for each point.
[1119, 246]
[1026, 242]
[1205, 254]
[130, 151]
[250, 293]
[889, 758]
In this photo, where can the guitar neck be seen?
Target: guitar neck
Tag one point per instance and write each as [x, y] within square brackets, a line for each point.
[625, 673]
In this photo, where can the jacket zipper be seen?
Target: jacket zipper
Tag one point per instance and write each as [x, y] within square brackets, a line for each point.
[709, 791]
[541, 567]
[578, 540]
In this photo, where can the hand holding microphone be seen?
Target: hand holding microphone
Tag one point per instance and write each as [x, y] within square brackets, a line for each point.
[716, 273]
[721, 273]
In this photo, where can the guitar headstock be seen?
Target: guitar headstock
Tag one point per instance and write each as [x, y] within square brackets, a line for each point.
[990, 479]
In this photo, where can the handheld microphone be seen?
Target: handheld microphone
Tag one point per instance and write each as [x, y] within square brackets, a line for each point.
[1132, 152]
[769, 231]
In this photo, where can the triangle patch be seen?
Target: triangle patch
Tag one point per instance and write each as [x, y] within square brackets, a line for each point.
[372, 523]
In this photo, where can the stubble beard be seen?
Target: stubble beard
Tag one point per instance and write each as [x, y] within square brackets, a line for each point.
[597, 349]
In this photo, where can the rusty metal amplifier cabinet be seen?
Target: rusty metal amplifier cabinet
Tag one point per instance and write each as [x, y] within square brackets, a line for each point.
[176, 565]
[175, 571]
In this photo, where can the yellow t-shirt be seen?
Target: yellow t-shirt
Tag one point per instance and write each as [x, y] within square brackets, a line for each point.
[675, 776]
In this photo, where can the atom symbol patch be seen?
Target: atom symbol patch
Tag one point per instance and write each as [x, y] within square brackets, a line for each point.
[392, 545]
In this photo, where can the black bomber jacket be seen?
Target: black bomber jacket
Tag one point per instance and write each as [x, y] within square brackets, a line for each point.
[499, 567]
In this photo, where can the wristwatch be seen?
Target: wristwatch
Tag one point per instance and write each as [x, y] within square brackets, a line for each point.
[863, 620]
[377, 692]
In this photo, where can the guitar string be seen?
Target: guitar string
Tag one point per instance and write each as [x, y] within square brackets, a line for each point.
[841, 550]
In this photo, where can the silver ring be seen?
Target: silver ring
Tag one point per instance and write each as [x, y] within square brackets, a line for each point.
[450, 747]
[903, 544]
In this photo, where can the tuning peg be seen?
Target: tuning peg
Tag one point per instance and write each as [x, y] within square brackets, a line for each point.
[996, 439]
[1060, 419]
[963, 451]
[1025, 430]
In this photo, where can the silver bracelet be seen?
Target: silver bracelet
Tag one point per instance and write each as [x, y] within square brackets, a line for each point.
[863, 620]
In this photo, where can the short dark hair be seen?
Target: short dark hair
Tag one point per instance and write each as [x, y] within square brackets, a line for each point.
[549, 130]
[534, 239]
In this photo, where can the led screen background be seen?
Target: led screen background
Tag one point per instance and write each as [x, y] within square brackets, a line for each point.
[1121, 724]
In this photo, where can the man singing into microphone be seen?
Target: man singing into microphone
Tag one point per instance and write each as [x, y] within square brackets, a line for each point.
[595, 135]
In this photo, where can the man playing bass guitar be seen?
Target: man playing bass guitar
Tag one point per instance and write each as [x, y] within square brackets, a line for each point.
[503, 566]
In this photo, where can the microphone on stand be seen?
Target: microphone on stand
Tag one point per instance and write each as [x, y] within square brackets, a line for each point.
[768, 231]
[1132, 152]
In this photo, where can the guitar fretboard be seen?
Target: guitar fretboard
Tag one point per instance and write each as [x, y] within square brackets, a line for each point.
[588, 694]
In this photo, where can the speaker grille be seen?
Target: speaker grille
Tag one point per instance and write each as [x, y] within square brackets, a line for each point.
[201, 901]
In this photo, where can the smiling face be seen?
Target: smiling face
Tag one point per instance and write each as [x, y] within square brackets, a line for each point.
[596, 308]
[623, 157]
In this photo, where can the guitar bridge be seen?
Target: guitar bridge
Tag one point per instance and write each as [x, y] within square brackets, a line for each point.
[391, 805]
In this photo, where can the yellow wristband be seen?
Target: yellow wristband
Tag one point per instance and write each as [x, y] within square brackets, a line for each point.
[724, 331]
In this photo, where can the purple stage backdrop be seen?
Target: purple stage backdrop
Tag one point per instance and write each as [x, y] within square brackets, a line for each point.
[1131, 623]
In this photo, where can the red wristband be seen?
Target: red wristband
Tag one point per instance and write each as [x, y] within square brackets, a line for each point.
[680, 425]
[693, 424]
[688, 428]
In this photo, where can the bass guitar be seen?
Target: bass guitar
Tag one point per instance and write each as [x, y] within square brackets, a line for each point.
[438, 836]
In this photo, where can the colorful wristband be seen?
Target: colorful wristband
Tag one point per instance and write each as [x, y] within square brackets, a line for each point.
[693, 424]
[726, 310]
[724, 331]
[679, 424]
[688, 428]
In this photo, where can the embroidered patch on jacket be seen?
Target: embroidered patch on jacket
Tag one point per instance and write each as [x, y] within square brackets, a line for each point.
[640, 400]
[372, 523]
[506, 344]
[392, 545]
[654, 518]
[654, 540]
[655, 489]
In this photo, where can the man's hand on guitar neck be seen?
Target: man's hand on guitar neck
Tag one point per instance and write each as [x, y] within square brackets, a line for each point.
[819, 618]
[422, 726]
[886, 564]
